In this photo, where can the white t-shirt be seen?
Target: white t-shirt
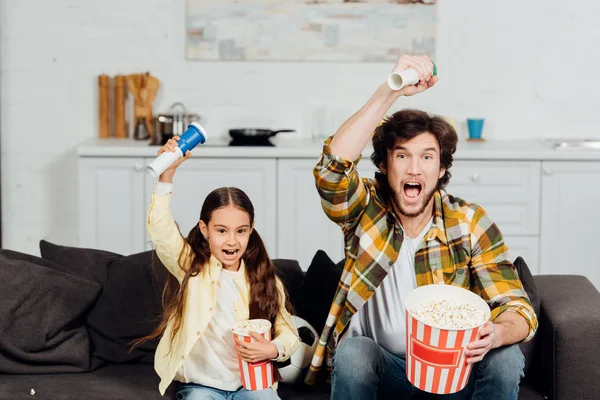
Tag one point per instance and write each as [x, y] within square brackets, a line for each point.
[383, 318]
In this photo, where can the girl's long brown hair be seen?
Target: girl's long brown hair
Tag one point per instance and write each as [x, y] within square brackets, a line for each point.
[264, 296]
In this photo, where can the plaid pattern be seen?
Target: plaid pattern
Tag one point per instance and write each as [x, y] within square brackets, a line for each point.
[463, 248]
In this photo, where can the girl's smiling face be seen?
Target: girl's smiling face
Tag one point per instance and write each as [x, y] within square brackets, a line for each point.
[228, 232]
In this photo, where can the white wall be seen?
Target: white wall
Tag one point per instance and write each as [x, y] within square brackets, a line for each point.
[528, 67]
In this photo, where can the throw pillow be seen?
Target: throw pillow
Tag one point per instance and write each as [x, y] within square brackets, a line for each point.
[318, 289]
[128, 308]
[86, 263]
[529, 348]
[42, 313]
[130, 303]
[291, 275]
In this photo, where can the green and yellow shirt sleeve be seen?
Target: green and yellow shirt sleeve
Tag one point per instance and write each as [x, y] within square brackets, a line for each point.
[496, 277]
[343, 194]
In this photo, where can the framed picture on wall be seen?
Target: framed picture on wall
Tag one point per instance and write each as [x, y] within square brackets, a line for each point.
[309, 30]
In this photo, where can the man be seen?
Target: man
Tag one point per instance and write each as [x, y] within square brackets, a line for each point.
[402, 230]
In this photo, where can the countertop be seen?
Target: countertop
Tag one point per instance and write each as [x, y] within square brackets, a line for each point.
[525, 149]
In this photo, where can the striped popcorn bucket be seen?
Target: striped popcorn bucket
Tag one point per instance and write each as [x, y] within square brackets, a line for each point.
[255, 375]
[435, 358]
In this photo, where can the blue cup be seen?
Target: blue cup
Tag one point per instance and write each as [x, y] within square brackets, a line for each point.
[475, 126]
[192, 137]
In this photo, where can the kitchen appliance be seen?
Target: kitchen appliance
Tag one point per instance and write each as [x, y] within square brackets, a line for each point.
[253, 136]
[172, 123]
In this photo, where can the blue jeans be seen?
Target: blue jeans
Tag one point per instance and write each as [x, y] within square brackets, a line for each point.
[194, 391]
[364, 370]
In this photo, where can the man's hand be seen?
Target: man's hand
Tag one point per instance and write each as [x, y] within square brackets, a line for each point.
[507, 329]
[260, 350]
[488, 338]
[423, 66]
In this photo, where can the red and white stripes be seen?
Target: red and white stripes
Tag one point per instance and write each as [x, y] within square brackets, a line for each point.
[257, 375]
[435, 358]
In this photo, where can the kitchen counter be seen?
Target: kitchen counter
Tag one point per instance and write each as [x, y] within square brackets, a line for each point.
[525, 149]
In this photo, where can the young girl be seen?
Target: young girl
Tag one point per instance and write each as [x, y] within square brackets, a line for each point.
[221, 274]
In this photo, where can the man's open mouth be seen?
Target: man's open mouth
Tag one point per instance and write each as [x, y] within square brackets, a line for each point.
[412, 189]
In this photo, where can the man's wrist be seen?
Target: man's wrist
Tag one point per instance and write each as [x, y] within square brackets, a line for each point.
[389, 92]
[501, 329]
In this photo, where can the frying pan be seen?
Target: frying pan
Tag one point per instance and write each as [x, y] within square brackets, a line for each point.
[253, 134]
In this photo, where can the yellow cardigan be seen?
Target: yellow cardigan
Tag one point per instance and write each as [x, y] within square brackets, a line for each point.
[200, 297]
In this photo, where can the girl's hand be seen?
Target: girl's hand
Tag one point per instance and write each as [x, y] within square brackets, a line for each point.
[167, 175]
[260, 350]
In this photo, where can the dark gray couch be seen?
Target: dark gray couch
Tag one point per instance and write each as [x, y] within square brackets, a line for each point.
[562, 362]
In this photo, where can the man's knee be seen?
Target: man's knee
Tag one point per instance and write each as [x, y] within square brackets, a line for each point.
[356, 354]
[504, 365]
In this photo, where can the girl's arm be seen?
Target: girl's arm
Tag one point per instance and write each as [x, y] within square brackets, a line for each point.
[164, 233]
[286, 336]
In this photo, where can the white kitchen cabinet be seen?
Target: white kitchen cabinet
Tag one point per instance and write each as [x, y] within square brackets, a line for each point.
[111, 204]
[302, 224]
[570, 213]
[196, 178]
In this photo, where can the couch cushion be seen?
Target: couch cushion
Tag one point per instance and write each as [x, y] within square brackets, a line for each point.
[129, 305]
[318, 288]
[530, 348]
[127, 381]
[42, 313]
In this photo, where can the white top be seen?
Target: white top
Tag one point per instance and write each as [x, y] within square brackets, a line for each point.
[213, 359]
[383, 318]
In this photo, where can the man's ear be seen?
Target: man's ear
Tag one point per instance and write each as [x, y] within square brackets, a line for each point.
[203, 228]
[383, 167]
[442, 172]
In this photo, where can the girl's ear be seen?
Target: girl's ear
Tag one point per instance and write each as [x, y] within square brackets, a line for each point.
[203, 229]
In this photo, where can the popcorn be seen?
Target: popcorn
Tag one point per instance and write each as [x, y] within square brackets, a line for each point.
[449, 314]
[257, 375]
[259, 326]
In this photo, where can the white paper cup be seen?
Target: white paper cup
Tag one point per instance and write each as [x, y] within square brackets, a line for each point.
[435, 358]
[255, 375]
[398, 80]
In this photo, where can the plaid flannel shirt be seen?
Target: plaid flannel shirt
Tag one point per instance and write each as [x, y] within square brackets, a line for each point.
[463, 248]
